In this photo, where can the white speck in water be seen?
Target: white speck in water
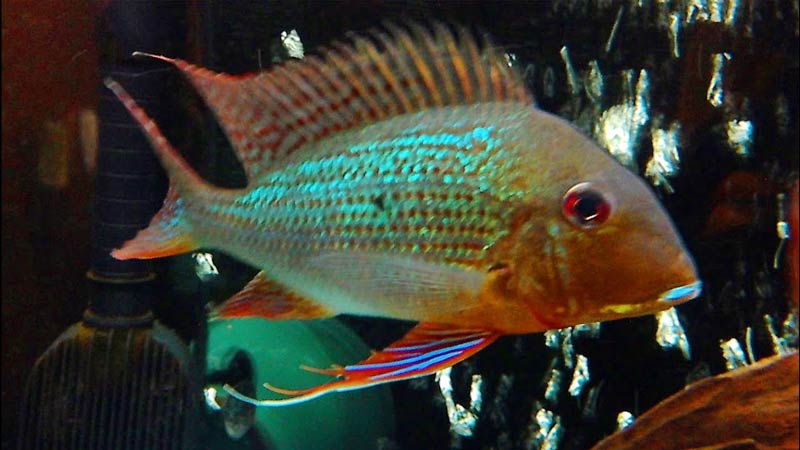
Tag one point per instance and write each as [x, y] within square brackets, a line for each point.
[544, 419]
[716, 10]
[615, 131]
[665, 162]
[553, 439]
[624, 420]
[549, 431]
[716, 91]
[476, 399]
[674, 33]
[790, 331]
[567, 349]
[786, 341]
[732, 12]
[594, 83]
[740, 136]
[620, 126]
[292, 43]
[210, 395]
[642, 101]
[580, 376]
[511, 59]
[782, 230]
[614, 29]
[733, 354]
[462, 420]
[697, 11]
[553, 386]
[552, 338]
[572, 77]
[204, 266]
[590, 330]
[748, 343]
[670, 334]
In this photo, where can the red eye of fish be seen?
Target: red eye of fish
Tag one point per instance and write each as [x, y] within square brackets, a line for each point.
[585, 206]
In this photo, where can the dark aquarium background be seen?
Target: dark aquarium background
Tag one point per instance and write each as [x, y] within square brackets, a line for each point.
[698, 97]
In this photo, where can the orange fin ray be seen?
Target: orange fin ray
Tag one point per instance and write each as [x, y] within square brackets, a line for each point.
[263, 298]
[424, 350]
[334, 371]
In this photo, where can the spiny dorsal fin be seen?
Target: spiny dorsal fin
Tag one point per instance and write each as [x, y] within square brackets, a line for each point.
[271, 114]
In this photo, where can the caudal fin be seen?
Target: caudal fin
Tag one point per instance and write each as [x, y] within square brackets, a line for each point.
[169, 232]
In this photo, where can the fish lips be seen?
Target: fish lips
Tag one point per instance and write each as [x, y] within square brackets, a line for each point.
[668, 299]
[681, 294]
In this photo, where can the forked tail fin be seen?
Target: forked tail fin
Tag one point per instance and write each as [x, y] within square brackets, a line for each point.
[169, 233]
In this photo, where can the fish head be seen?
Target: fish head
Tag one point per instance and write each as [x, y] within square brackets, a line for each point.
[594, 242]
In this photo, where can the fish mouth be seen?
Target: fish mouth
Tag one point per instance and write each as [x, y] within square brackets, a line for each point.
[681, 294]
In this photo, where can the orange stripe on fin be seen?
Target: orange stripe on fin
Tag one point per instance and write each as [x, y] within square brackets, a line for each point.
[347, 68]
[460, 67]
[443, 60]
[477, 65]
[383, 84]
[383, 65]
[413, 48]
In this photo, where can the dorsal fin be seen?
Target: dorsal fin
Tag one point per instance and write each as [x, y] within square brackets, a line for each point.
[271, 114]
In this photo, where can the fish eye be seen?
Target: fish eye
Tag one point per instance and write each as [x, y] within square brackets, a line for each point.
[585, 206]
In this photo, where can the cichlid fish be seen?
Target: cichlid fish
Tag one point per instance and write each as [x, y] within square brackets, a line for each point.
[409, 175]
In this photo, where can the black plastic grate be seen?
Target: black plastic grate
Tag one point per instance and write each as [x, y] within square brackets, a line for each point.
[108, 388]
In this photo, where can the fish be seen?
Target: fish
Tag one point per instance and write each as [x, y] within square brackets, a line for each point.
[408, 174]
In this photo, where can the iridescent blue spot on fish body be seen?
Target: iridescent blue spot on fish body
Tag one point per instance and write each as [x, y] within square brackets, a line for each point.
[482, 134]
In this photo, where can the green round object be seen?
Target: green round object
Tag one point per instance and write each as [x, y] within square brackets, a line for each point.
[349, 420]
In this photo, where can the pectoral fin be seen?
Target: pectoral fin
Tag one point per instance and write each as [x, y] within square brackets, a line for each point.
[426, 349]
[267, 299]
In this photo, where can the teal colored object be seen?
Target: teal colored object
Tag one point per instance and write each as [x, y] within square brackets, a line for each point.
[348, 420]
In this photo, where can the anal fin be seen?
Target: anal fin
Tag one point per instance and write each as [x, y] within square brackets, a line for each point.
[426, 349]
[264, 298]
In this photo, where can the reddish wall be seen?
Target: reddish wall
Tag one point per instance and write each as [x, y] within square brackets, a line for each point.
[49, 66]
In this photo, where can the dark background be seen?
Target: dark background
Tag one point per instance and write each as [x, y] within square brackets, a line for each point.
[51, 52]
